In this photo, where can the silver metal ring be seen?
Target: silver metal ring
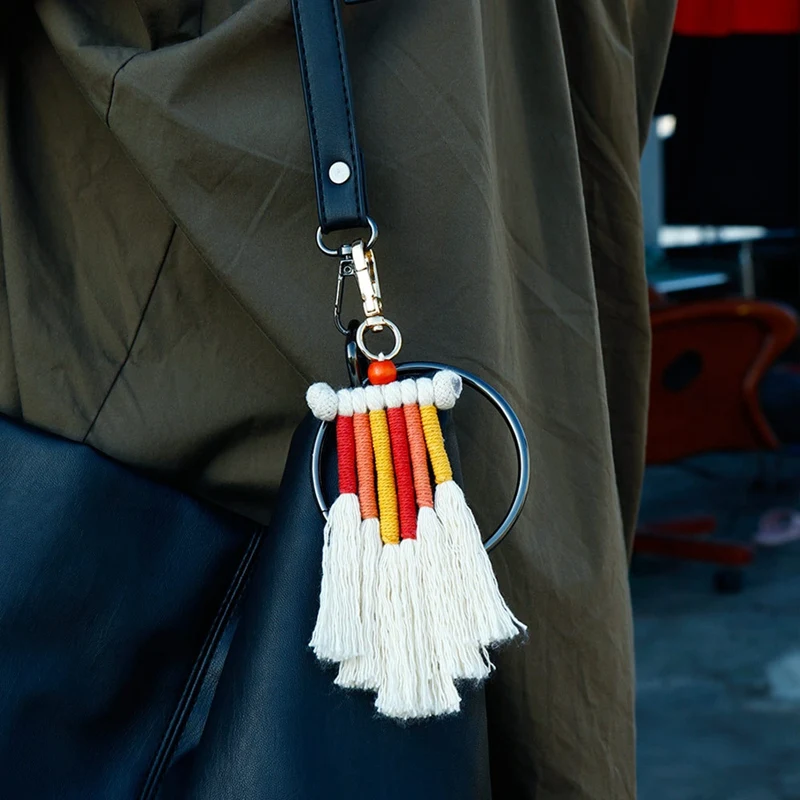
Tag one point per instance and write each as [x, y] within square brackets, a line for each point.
[329, 251]
[378, 322]
[509, 417]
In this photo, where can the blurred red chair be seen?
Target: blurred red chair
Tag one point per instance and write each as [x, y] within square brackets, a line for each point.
[708, 359]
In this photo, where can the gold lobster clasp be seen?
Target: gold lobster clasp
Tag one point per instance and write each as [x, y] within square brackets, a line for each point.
[358, 260]
[366, 271]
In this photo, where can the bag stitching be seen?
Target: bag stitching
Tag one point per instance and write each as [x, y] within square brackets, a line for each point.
[311, 122]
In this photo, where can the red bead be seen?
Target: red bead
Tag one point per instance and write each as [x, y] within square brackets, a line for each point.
[381, 372]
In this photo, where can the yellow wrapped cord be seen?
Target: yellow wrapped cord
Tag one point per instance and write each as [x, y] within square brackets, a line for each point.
[387, 495]
[442, 471]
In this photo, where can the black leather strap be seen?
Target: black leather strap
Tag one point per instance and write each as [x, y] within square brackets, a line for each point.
[329, 108]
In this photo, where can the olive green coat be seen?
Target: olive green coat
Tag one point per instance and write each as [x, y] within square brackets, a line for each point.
[162, 297]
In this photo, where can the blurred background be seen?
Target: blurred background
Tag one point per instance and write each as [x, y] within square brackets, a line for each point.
[716, 572]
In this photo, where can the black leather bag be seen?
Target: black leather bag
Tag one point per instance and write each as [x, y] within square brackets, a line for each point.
[146, 651]
[115, 595]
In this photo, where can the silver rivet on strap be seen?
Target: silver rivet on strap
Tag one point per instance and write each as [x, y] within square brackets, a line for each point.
[339, 172]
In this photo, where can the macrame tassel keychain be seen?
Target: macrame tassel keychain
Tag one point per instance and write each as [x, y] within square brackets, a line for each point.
[408, 599]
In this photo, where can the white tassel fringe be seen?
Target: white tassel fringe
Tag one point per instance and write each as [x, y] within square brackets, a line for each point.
[445, 602]
[490, 619]
[365, 671]
[415, 683]
[338, 632]
[396, 692]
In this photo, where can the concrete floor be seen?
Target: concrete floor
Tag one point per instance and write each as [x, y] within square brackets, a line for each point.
[719, 675]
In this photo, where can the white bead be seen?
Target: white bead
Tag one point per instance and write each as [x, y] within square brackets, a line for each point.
[322, 401]
[447, 387]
